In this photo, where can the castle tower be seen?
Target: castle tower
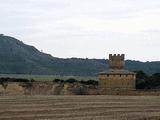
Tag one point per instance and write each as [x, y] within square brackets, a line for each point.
[116, 79]
[116, 61]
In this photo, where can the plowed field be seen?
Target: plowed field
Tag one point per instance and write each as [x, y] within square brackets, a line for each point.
[80, 108]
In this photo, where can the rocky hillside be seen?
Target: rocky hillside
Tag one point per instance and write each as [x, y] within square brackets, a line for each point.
[19, 58]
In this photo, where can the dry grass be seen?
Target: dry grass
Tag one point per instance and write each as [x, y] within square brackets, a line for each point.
[80, 107]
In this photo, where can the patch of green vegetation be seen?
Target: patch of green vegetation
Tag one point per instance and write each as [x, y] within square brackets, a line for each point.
[144, 81]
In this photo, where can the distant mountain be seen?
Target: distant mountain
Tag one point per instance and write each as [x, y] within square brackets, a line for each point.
[19, 58]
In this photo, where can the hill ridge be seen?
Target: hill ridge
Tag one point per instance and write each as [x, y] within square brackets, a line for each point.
[19, 58]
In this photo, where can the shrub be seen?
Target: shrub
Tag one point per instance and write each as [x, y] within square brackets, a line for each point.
[58, 80]
[89, 82]
[71, 80]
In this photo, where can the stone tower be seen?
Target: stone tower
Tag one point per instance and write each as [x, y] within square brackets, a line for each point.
[116, 61]
[116, 79]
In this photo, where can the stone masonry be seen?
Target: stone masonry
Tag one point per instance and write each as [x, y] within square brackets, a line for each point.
[116, 78]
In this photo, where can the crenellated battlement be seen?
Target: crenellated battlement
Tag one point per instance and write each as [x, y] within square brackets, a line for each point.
[116, 56]
[116, 61]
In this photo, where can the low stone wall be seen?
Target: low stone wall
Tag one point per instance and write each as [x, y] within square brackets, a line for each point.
[12, 89]
[46, 88]
[58, 88]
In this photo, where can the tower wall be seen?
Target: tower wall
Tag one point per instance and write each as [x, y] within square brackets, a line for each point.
[116, 61]
[117, 82]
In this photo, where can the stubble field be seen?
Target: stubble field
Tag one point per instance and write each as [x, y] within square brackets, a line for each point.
[80, 108]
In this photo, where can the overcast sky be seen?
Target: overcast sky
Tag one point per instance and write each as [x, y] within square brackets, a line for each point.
[85, 28]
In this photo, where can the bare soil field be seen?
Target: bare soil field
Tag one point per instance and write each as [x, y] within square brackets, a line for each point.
[80, 107]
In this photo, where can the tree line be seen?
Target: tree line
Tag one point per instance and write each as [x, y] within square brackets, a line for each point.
[143, 80]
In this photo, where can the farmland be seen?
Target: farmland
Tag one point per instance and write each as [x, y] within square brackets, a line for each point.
[80, 107]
